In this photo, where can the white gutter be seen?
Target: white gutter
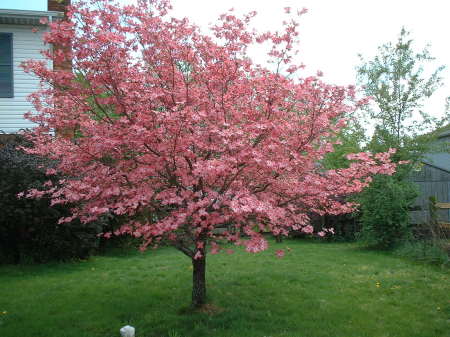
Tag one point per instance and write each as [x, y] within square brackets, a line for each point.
[24, 17]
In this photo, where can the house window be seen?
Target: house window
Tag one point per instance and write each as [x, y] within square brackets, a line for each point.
[6, 65]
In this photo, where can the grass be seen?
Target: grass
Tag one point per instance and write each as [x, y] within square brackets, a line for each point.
[316, 290]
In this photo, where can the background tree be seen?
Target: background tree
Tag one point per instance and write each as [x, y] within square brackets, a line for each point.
[183, 134]
[399, 84]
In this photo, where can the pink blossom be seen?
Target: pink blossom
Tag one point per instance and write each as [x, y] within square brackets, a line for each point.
[279, 253]
[214, 248]
[256, 244]
[198, 255]
[308, 229]
[187, 134]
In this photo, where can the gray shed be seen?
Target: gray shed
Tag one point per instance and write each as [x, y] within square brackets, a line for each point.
[433, 179]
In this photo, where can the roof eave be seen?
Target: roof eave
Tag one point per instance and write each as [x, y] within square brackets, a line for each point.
[23, 17]
[435, 166]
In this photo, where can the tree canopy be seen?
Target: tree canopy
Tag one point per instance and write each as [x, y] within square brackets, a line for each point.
[182, 134]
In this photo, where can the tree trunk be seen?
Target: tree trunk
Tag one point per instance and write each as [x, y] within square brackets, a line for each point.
[199, 281]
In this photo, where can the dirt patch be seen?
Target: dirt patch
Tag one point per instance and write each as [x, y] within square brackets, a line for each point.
[208, 309]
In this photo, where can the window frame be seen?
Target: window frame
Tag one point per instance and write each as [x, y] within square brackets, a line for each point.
[11, 64]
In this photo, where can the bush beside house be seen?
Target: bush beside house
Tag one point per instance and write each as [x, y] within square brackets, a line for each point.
[29, 229]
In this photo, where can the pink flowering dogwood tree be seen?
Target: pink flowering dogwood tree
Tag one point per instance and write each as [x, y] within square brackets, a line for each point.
[181, 132]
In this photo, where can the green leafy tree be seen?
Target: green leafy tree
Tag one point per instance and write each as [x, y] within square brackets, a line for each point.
[399, 83]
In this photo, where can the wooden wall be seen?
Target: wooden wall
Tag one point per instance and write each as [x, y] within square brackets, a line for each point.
[430, 181]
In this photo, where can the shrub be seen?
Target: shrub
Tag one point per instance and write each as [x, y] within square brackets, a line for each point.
[29, 230]
[385, 208]
[425, 251]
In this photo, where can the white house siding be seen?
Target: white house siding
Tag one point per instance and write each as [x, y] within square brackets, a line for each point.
[26, 45]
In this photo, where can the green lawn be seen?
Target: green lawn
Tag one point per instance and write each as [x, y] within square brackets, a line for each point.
[315, 290]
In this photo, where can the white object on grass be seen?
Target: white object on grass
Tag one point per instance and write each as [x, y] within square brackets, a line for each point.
[127, 331]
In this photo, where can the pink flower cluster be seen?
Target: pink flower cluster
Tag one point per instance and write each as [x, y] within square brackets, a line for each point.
[183, 134]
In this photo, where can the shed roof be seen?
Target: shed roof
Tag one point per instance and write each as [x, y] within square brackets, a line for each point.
[440, 160]
[444, 134]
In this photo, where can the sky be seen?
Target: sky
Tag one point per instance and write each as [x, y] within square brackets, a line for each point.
[33, 5]
[333, 33]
